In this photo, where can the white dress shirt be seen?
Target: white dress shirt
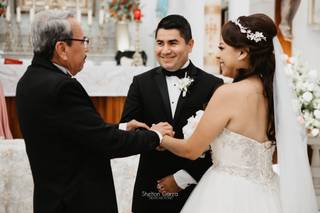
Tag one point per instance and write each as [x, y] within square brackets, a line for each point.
[63, 69]
[182, 178]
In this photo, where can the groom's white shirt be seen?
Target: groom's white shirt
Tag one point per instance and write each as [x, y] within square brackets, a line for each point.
[182, 178]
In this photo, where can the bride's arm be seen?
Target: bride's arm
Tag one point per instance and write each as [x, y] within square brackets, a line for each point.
[215, 118]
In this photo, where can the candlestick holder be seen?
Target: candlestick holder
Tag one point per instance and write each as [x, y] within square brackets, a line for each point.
[137, 58]
[19, 46]
[8, 36]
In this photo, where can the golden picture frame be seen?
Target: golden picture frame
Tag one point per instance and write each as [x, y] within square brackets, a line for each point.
[314, 13]
[56, 4]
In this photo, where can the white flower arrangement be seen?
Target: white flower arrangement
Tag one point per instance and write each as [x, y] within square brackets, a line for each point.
[184, 83]
[305, 83]
[191, 125]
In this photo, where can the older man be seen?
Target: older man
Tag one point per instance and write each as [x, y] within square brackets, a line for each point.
[67, 142]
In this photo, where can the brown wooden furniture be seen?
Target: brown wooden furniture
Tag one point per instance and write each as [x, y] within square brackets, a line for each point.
[110, 108]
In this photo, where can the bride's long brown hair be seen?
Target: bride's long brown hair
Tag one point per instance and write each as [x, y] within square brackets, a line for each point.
[261, 55]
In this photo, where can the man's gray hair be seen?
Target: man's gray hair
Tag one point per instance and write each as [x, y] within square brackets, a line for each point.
[48, 27]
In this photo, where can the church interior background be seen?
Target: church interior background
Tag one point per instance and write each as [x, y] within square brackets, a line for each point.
[121, 46]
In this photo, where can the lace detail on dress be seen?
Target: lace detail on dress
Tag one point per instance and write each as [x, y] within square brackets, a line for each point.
[238, 155]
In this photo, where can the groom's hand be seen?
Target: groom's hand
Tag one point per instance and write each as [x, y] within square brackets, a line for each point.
[133, 124]
[164, 128]
[168, 185]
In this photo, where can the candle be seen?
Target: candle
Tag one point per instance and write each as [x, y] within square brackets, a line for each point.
[90, 17]
[78, 11]
[18, 14]
[8, 13]
[101, 16]
[32, 10]
[79, 15]
[31, 14]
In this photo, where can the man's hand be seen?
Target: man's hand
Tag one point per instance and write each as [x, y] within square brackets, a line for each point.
[164, 128]
[133, 124]
[161, 149]
[168, 185]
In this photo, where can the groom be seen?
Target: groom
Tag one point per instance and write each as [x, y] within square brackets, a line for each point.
[156, 96]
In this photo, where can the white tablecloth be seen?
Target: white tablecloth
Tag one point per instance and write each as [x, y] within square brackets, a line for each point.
[16, 184]
[105, 79]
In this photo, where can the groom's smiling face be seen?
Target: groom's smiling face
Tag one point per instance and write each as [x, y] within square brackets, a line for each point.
[172, 51]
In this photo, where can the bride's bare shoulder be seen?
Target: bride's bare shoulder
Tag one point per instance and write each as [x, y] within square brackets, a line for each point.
[239, 89]
[229, 90]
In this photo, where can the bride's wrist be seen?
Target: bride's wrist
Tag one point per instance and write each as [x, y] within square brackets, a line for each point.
[165, 139]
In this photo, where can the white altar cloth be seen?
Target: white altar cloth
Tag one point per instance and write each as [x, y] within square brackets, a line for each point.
[16, 184]
[105, 79]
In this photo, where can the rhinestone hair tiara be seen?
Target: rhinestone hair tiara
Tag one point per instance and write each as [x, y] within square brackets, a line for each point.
[257, 36]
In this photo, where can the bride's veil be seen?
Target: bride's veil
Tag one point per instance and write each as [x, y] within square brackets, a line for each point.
[296, 188]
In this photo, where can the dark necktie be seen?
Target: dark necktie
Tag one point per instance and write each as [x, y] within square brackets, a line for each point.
[181, 73]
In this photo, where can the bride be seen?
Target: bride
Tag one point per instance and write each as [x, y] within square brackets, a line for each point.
[242, 126]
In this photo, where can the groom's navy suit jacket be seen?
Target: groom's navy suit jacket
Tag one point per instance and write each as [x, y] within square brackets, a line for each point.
[148, 101]
[68, 144]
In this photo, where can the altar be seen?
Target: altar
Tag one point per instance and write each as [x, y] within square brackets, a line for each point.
[106, 83]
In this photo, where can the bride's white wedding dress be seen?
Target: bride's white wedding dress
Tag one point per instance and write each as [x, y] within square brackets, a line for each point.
[241, 179]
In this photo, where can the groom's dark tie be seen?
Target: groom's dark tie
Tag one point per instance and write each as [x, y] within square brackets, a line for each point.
[179, 73]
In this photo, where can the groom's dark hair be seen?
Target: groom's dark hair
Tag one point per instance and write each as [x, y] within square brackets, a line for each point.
[177, 22]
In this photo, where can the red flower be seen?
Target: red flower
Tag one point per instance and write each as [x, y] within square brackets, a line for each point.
[2, 11]
[137, 14]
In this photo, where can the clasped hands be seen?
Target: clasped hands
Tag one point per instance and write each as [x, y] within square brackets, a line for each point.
[164, 128]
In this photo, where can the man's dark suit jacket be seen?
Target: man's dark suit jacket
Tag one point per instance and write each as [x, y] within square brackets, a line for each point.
[68, 144]
[148, 101]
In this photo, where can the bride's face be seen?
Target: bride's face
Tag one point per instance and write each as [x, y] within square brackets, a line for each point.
[228, 58]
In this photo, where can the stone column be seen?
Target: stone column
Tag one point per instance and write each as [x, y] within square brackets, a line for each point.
[212, 31]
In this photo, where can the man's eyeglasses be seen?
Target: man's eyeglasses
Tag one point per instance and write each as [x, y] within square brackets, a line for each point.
[85, 41]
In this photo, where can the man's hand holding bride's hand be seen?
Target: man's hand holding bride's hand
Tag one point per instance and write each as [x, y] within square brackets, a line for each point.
[164, 128]
[134, 124]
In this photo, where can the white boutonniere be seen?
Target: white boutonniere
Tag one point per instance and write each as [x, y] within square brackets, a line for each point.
[184, 83]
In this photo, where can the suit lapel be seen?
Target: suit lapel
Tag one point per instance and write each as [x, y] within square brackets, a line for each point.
[192, 73]
[163, 88]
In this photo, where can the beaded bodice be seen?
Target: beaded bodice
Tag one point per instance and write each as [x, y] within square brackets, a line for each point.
[242, 156]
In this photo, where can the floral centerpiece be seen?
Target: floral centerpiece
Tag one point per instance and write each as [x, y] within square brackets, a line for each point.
[306, 86]
[3, 7]
[121, 9]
